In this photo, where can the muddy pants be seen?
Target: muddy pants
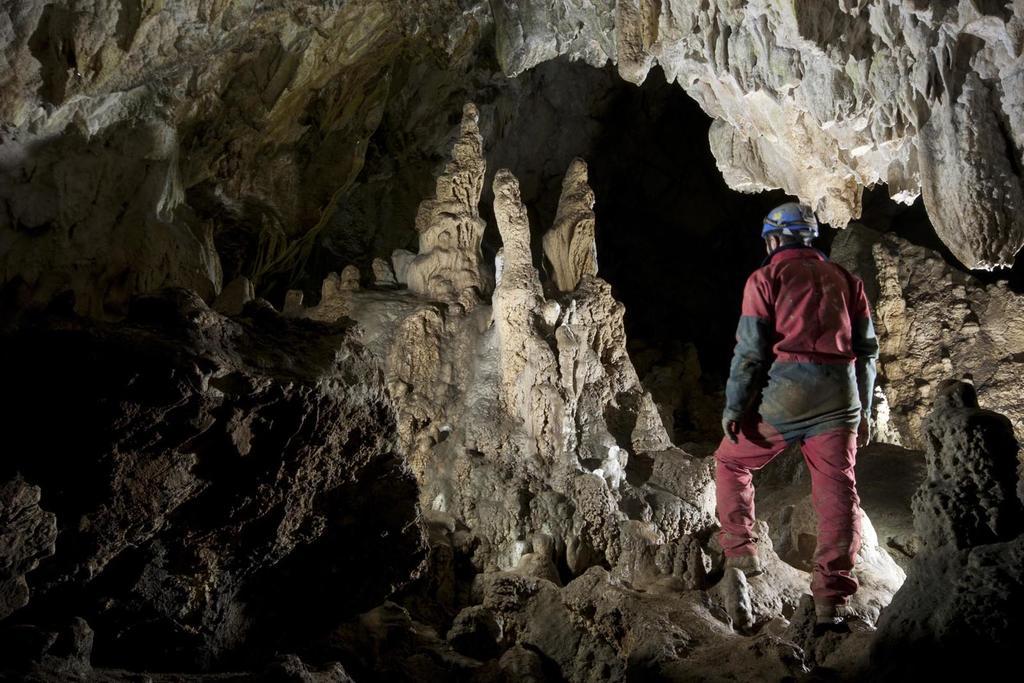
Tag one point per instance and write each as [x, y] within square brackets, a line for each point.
[830, 456]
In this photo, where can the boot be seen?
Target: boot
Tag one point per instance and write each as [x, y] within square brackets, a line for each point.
[750, 565]
[830, 616]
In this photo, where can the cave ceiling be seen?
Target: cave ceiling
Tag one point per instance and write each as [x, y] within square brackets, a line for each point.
[138, 136]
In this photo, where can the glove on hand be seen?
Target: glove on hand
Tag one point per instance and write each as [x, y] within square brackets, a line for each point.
[864, 432]
[731, 429]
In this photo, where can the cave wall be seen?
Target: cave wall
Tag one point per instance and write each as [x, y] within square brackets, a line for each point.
[933, 321]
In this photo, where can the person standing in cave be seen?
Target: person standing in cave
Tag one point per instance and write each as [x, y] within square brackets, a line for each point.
[803, 371]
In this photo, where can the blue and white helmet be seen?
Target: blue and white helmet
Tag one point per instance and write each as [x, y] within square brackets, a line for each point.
[791, 218]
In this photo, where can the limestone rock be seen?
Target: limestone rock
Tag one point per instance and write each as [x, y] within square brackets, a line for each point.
[132, 144]
[386, 642]
[528, 367]
[335, 296]
[27, 535]
[970, 495]
[534, 406]
[569, 245]
[448, 266]
[932, 320]
[293, 307]
[596, 628]
[382, 273]
[735, 594]
[962, 588]
[350, 278]
[400, 260]
[207, 470]
[824, 98]
[235, 295]
[475, 633]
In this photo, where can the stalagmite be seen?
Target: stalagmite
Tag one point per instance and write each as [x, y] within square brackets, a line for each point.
[569, 245]
[382, 273]
[448, 267]
[528, 367]
[400, 260]
[966, 585]
[447, 466]
[234, 296]
[335, 296]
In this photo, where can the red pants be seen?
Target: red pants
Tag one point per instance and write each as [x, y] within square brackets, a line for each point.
[830, 456]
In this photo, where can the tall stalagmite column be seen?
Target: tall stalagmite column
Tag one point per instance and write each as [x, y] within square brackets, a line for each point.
[448, 267]
[569, 245]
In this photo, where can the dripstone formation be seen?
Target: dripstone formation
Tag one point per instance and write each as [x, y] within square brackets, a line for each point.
[964, 584]
[187, 144]
[932, 320]
[448, 266]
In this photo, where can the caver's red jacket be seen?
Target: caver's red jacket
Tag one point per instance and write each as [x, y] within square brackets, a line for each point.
[805, 320]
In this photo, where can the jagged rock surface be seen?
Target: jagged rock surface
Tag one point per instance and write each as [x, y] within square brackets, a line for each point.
[824, 98]
[448, 266]
[27, 535]
[219, 485]
[932, 320]
[957, 611]
[569, 245]
[149, 145]
[551, 479]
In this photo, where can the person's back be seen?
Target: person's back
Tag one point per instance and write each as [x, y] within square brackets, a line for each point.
[816, 321]
[806, 332]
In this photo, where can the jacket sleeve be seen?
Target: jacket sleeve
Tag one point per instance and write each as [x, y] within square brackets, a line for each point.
[865, 346]
[753, 354]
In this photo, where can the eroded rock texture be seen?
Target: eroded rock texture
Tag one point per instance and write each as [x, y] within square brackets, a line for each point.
[188, 144]
[932, 320]
[138, 136]
[212, 479]
[963, 588]
[553, 490]
[27, 535]
[824, 98]
[448, 267]
[569, 245]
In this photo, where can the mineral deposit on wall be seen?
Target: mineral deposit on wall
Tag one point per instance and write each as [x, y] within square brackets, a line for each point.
[136, 135]
[934, 321]
[822, 98]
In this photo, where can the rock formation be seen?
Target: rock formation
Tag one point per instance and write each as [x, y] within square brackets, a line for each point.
[210, 478]
[235, 295]
[965, 583]
[569, 245]
[932, 319]
[27, 535]
[824, 98]
[464, 478]
[196, 136]
[448, 267]
[550, 479]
